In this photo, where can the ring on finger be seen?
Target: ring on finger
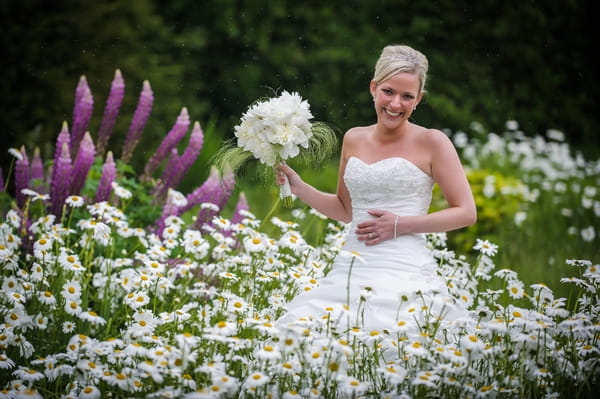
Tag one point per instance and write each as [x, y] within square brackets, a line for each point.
[370, 235]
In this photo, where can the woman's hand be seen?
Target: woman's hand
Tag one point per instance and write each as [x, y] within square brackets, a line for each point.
[385, 226]
[282, 171]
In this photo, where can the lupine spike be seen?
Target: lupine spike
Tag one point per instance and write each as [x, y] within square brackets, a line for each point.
[61, 180]
[79, 90]
[138, 122]
[83, 163]
[218, 196]
[238, 217]
[111, 111]
[168, 209]
[169, 142]
[21, 176]
[242, 205]
[168, 174]
[190, 155]
[204, 193]
[109, 171]
[63, 137]
[37, 171]
[82, 114]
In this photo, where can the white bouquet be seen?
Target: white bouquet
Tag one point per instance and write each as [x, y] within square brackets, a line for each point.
[276, 129]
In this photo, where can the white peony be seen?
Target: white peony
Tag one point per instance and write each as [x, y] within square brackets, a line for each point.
[275, 129]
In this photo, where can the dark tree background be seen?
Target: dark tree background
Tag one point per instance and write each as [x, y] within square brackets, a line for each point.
[490, 61]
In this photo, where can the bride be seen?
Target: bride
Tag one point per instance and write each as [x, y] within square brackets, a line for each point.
[386, 175]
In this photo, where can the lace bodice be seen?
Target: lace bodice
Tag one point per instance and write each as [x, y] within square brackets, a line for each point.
[394, 184]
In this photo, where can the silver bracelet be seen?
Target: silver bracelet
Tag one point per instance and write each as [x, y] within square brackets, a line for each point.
[395, 224]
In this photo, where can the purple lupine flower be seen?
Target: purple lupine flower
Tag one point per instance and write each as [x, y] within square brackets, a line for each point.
[204, 193]
[111, 111]
[168, 210]
[190, 155]
[2, 188]
[138, 122]
[83, 163]
[82, 113]
[61, 181]
[238, 217]
[242, 205]
[168, 174]
[21, 177]
[79, 90]
[36, 173]
[218, 196]
[63, 138]
[169, 142]
[177, 166]
[109, 171]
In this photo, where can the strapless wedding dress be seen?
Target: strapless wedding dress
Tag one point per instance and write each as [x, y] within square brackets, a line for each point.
[377, 285]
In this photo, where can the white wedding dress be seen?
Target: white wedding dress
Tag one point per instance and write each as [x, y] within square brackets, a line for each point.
[383, 273]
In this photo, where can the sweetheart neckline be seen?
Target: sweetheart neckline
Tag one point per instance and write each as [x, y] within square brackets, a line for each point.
[388, 159]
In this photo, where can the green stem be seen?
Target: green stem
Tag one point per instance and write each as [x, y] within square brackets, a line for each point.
[273, 208]
[10, 168]
[348, 298]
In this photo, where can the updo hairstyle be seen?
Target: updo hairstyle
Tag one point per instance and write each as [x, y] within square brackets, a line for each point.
[401, 58]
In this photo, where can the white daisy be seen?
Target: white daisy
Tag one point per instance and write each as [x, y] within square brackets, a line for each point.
[74, 201]
[120, 191]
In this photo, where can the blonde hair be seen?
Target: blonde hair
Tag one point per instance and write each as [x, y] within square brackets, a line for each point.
[401, 58]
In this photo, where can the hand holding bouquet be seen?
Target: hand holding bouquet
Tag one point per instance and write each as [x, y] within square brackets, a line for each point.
[277, 129]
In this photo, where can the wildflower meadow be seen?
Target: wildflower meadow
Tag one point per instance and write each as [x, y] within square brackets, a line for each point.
[116, 284]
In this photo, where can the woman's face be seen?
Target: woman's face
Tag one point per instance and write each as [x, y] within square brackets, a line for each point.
[396, 98]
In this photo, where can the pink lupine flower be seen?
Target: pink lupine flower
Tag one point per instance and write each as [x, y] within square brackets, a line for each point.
[111, 111]
[37, 172]
[138, 122]
[109, 172]
[61, 181]
[169, 142]
[21, 176]
[82, 113]
[83, 163]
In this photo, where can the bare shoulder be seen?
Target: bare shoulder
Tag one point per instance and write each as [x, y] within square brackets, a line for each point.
[436, 140]
[355, 132]
[355, 135]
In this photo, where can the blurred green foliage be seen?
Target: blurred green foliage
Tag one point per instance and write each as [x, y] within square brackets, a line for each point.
[489, 62]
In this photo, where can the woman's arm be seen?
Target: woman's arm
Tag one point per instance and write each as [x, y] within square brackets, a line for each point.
[448, 173]
[328, 204]
[335, 206]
